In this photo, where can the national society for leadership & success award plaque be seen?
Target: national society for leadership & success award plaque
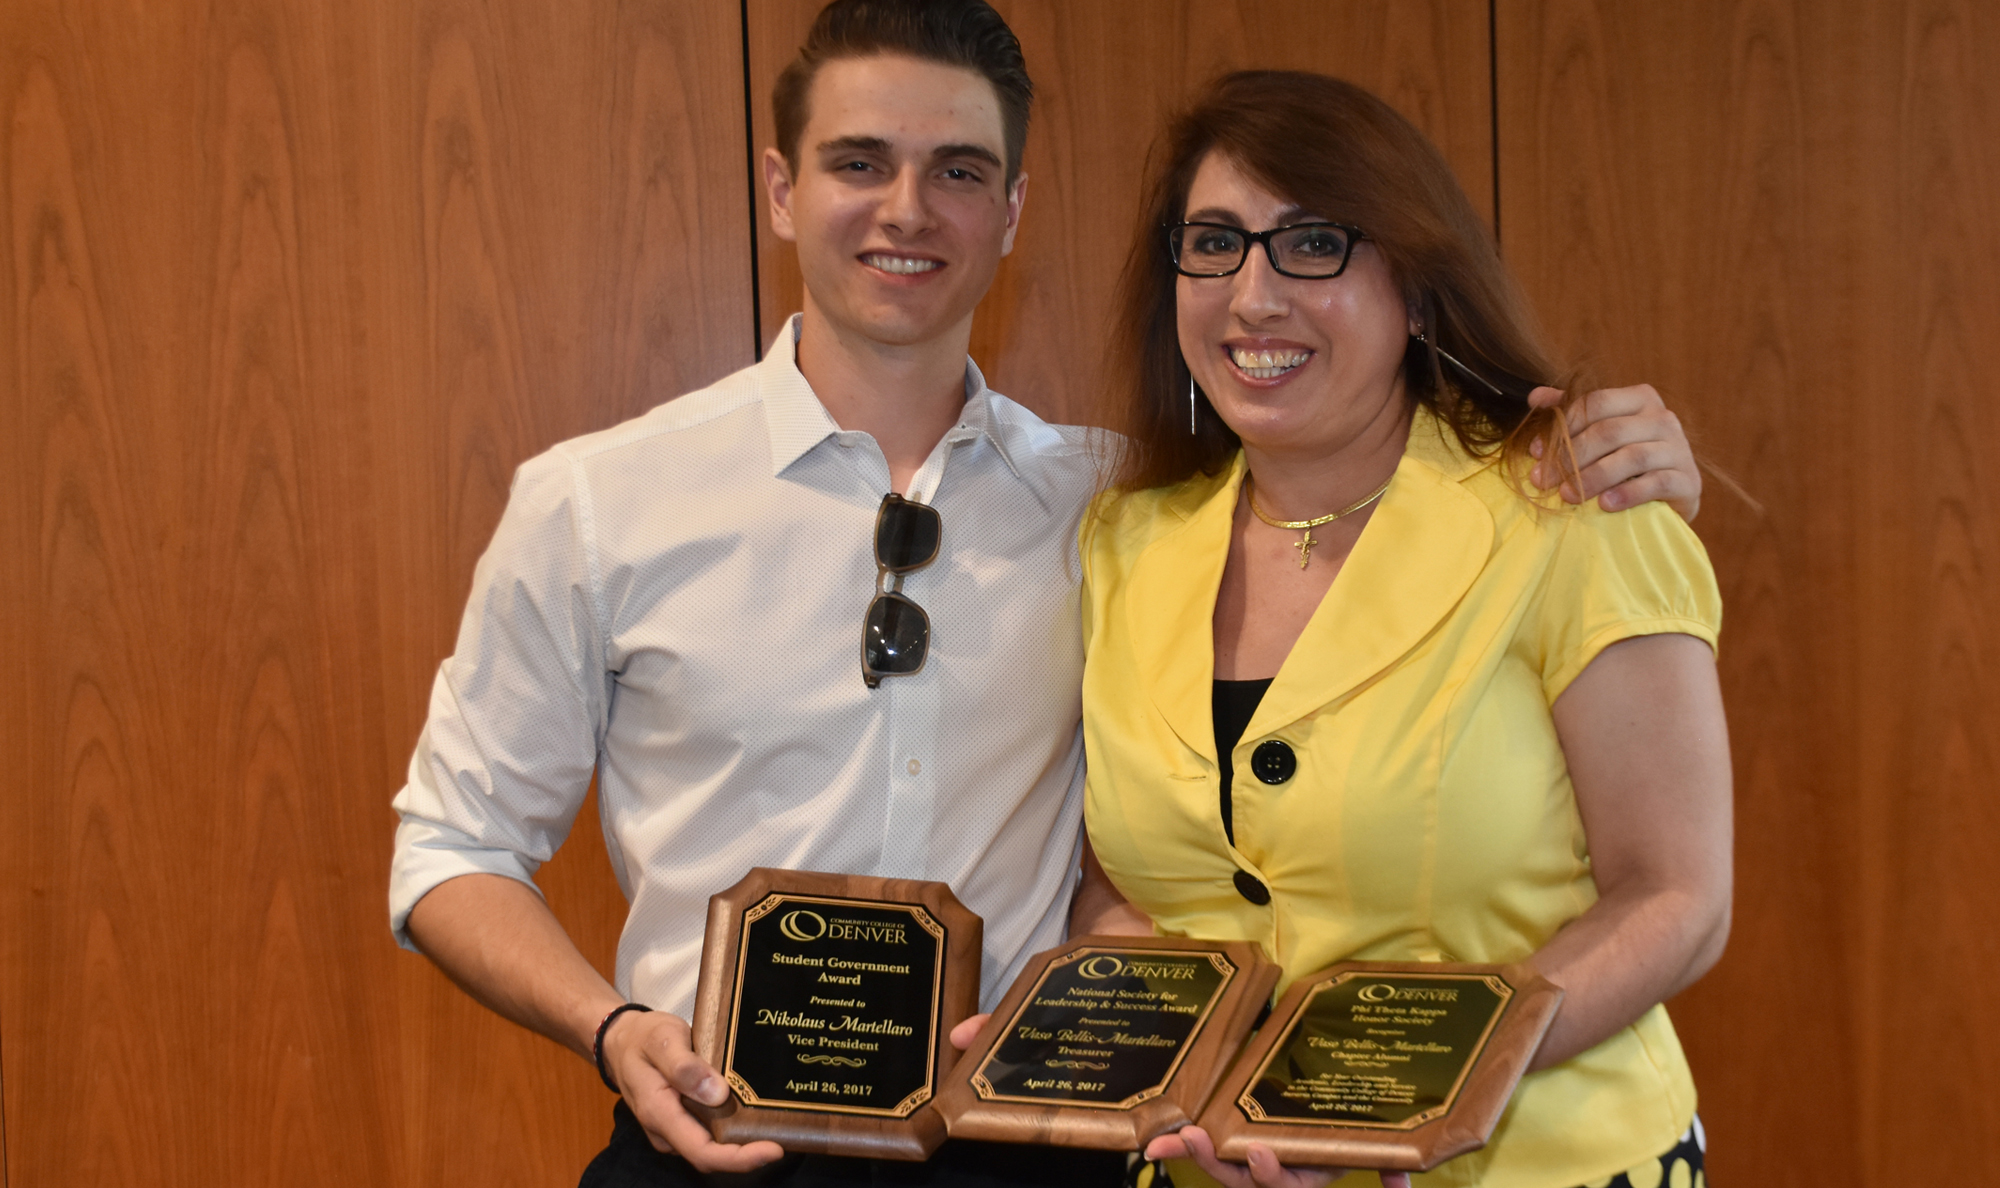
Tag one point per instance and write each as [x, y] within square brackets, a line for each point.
[1397, 1066]
[1108, 1042]
[826, 1002]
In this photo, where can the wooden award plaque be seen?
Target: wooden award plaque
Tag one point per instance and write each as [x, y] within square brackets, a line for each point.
[826, 1002]
[1108, 1042]
[1391, 1065]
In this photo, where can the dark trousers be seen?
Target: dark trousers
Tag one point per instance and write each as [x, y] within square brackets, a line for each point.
[631, 1162]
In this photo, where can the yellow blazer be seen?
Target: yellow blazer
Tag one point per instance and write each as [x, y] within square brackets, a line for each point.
[1431, 815]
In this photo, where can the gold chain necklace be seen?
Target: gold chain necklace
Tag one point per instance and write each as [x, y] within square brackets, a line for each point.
[1305, 543]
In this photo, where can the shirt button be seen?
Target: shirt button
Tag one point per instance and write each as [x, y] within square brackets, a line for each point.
[1249, 888]
[913, 767]
[1274, 761]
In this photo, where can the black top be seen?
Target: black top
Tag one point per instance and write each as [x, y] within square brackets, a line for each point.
[1234, 704]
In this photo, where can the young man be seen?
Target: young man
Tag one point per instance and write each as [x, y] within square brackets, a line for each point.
[673, 605]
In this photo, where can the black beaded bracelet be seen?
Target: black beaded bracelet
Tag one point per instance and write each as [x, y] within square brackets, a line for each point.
[597, 1043]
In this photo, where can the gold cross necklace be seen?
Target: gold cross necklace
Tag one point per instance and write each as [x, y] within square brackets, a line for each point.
[1305, 543]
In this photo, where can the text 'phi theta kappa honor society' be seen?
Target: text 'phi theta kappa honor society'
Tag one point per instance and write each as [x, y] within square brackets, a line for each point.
[826, 1002]
[1108, 1042]
[1398, 1066]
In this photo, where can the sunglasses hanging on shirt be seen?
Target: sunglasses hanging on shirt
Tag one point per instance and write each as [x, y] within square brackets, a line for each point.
[896, 635]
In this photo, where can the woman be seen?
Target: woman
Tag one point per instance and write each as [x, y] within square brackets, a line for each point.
[1483, 727]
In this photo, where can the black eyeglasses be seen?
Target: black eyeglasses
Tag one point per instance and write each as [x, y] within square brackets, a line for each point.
[897, 633]
[1308, 251]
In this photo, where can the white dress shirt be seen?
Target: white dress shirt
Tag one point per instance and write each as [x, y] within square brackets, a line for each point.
[676, 603]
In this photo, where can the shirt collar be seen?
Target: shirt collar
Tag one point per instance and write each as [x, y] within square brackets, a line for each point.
[982, 417]
[797, 421]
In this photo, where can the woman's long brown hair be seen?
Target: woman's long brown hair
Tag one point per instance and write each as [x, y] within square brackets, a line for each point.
[1343, 154]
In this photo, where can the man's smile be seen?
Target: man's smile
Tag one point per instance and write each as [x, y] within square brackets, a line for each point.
[901, 265]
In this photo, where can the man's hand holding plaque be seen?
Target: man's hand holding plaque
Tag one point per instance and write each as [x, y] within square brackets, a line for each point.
[652, 1060]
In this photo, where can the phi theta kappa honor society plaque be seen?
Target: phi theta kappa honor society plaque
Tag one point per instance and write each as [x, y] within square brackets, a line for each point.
[1398, 1066]
[1108, 1042]
[826, 1002]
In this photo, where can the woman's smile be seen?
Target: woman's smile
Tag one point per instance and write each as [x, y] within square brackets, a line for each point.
[1263, 362]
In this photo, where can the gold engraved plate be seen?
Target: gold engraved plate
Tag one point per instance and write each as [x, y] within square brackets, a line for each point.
[836, 1006]
[1104, 1028]
[1387, 1051]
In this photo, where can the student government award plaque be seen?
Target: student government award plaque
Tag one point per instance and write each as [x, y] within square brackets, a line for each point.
[1398, 1066]
[1108, 1042]
[826, 1002]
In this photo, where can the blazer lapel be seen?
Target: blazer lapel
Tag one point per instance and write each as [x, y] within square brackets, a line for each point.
[1170, 609]
[1419, 554]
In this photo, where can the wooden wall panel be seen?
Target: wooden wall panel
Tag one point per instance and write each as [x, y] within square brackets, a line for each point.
[1107, 73]
[1781, 213]
[286, 292]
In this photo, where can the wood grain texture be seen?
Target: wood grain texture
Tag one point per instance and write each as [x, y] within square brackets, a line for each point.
[286, 293]
[1780, 213]
[1107, 73]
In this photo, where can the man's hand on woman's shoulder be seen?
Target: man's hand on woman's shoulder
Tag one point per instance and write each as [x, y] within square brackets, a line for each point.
[1630, 449]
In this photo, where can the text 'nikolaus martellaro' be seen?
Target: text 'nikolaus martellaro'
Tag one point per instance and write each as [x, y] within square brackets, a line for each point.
[770, 1018]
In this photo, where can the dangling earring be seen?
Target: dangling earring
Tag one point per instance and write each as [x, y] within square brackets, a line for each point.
[1191, 427]
[1461, 368]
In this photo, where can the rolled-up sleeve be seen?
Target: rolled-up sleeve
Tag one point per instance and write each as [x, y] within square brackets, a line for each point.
[517, 712]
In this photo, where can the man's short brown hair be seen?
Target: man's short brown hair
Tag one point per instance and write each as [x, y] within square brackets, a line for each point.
[963, 33]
